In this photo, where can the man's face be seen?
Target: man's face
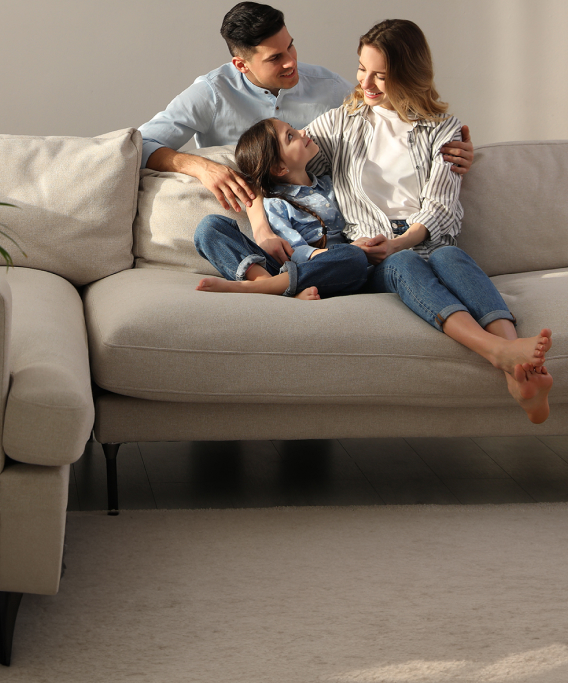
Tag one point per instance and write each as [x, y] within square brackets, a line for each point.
[274, 64]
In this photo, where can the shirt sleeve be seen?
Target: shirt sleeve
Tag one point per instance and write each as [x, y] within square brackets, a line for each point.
[440, 210]
[190, 112]
[323, 132]
[279, 219]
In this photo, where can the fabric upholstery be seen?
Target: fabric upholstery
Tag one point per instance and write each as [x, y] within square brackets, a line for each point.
[121, 419]
[33, 503]
[5, 335]
[153, 336]
[77, 199]
[515, 209]
[49, 412]
[170, 206]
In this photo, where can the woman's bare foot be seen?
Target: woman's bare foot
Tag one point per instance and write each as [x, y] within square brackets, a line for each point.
[309, 294]
[529, 386]
[508, 354]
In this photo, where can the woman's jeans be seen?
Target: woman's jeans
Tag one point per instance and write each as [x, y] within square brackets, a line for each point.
[342, 269]
[449, 281]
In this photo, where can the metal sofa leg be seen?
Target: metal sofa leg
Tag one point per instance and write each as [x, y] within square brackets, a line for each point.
[111, 451]
[9, 605]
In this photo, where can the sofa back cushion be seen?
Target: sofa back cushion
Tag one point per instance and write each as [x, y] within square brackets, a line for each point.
[516, 207]
[77, 199]
[170, 206]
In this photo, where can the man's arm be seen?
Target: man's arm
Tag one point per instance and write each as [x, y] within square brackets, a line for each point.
[460, 154]
[227, 185]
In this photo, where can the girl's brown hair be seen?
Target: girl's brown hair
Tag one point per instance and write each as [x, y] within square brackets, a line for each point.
[409, 79]
[256, 154]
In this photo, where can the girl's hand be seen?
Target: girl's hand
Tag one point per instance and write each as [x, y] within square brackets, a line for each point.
[277, 247]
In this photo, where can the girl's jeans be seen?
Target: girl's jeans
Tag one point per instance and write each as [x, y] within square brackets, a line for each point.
[449, 281]
[342, 269]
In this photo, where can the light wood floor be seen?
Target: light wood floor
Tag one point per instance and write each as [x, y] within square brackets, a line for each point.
[330, 472]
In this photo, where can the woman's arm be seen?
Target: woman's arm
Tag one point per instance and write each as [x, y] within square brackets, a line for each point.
[440, 211]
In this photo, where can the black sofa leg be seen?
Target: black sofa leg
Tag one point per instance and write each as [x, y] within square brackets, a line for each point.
[9, 605]
[111, 451]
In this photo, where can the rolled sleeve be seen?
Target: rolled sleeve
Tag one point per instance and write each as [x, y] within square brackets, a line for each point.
[441, 211]
[303, 253]
[191, 112]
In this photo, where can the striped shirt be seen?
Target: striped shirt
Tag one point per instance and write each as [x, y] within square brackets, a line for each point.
[344, 140]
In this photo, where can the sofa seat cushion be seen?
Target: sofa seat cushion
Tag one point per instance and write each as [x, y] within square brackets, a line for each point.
[153, 336]
[49, 412]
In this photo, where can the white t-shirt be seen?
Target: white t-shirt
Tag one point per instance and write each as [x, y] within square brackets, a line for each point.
[389, 178]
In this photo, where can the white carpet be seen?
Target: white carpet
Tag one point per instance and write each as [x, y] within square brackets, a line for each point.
[337, 595]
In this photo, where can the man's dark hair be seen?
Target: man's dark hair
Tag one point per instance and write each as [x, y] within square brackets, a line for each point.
[248, 24]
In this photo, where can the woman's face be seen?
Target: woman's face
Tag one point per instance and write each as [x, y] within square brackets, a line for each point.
[371, 76]
[296, 148]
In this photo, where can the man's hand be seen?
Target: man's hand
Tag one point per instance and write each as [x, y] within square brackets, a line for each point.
[460, 154]
[277, 247]
[227, 185]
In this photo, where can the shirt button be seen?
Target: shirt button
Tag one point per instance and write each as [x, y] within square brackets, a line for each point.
[277, 108]
[266, 92]
[311, 191]
[327, 206]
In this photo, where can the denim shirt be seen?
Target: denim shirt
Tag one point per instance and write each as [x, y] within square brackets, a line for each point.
[299, 227]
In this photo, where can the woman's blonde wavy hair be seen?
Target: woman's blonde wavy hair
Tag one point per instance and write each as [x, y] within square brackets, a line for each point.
[409, 79]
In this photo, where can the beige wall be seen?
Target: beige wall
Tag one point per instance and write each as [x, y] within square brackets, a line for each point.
[84, 67]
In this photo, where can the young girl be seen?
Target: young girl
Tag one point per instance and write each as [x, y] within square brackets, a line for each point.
[400, 202]
[301, 207]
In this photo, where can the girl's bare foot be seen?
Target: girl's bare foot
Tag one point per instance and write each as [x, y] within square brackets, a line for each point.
[508, 354]
[529, 386]
[217, 284]
[309, 294]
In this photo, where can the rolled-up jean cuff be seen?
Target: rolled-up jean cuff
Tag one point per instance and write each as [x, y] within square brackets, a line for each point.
[292, 269]
[246, 263]
[497, 315]
[445, 313]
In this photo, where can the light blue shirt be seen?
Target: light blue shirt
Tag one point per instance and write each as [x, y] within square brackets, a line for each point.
[300, 227]
[220, 106]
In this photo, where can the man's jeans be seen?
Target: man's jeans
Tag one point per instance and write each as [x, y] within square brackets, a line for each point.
[449, 281]
[342, 269]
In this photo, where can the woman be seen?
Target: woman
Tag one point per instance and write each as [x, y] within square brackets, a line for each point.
[400, 202]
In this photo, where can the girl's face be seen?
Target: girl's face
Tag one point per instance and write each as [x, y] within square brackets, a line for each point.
[371, 76]
[296, 148]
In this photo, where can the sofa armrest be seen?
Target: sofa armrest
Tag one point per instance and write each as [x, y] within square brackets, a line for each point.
[5, 325]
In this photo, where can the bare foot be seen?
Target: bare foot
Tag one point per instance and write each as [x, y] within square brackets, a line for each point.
[510, 353]
[529, 386]
[309, 294]
[216, 284]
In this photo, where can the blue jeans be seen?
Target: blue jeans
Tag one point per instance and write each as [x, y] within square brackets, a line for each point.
[342, 269]
[449, 281]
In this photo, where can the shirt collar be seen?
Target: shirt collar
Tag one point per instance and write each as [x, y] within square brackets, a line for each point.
[364, 110]
[294, 190]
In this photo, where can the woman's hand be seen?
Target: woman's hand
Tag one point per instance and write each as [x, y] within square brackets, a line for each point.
[376, 248]
[380, 247]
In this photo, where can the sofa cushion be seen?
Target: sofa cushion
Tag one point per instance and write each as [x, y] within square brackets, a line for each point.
[49, 412]
[503, 231]
[170, 205]
[77, 199]
[151, 335]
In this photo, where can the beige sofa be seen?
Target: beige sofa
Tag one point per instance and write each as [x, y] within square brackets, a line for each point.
[171, 363]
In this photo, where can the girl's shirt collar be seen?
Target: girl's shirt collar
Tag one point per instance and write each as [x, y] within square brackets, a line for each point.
[294, 190]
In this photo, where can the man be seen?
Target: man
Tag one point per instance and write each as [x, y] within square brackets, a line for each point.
[264, 79]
